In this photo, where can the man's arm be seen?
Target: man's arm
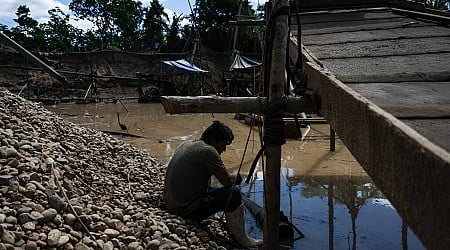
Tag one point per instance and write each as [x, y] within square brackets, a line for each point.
[227, 179]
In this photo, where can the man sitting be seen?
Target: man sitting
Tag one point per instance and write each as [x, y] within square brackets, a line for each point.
[186, 186]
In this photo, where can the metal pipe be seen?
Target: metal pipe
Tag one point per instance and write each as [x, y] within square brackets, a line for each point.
[286, 231]
[33, 58]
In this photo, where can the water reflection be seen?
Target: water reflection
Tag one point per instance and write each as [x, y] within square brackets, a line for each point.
[338, 212]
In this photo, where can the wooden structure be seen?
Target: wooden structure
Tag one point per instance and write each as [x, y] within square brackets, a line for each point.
[383, 80]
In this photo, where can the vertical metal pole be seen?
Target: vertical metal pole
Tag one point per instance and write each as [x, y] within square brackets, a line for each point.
[273, 152]
[332, 140]
[28, 82]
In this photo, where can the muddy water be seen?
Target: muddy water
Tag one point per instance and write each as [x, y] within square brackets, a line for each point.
[326, 195]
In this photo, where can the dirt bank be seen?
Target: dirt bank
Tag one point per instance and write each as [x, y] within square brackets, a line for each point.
[109, 74]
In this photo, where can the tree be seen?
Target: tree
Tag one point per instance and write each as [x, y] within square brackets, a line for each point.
[127, 19]
[155, 23]
[212, 18]
[99, 13]
[438, 4]
[27, 26]
[60, 34]
[174, 41]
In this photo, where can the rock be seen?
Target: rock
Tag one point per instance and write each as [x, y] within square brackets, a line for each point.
[76, 235]
[108, 246]
[81, 246]
[11, 220]
[56, 202]
[69, 219]
[49, 214]
[53, 237]
[112, 233]
[5, 180]
[115, 224]
[64, 239]
[11, 153]
[19, 242]
[37, 184]
[37, 216]
[29, 226]
[154, 244]
[13, 162]
[31, 245]
[134, 246]
[24, 218]
[8, 237]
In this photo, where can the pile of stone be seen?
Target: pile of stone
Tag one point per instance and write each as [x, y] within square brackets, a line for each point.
[63, 186]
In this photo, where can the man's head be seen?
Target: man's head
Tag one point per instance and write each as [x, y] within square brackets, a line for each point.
[218, 135]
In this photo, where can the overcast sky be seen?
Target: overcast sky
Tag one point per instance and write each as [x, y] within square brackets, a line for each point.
[39, 9]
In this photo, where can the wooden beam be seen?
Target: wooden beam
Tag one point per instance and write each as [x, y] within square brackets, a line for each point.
[32, 57]
[217, 104]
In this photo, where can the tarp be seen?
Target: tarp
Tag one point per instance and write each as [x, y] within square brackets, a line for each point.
[185, 66]
[242, 62]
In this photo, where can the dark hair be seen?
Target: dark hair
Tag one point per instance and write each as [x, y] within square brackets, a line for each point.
[218, 131]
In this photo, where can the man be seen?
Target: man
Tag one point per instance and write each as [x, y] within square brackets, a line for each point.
[186, 186]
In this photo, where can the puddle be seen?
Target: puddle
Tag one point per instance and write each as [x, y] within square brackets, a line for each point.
[326, 195]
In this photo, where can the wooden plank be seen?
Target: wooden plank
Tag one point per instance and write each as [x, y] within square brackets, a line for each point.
[416, 14]
[409, 99]
[408, 68]
[329, 4]
[247, 23]
[381, 34]
[390, 47]
[217, 104]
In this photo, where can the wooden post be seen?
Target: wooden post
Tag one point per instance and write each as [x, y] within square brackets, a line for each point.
[332, 139]
[277, 46]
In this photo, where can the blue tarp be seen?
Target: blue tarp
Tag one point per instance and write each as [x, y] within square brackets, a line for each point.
[185, 66]
[242, 62]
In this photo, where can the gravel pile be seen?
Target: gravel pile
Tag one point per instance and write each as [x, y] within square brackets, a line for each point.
[63, 186]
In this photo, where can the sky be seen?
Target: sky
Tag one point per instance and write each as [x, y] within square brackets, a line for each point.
[39, 9]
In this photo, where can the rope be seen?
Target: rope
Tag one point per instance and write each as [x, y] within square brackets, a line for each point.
[273, 123]
[240, 166]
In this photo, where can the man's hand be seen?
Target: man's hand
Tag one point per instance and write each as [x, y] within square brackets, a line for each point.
[237, 179]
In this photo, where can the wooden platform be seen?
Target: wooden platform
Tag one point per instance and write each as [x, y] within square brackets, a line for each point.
[383, 78]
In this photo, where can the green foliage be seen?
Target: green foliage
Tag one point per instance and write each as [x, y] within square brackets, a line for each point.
[437, 4]
[127, 19]
[60, 35]
[212, 23]
[174, 41]
[99, 13]
[128, 25]
[27, 27]
[155, 23]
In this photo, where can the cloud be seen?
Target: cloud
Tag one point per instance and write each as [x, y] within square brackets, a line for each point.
[39, 11]
[38, 8]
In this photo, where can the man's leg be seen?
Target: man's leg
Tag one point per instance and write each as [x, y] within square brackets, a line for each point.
[219, 199]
